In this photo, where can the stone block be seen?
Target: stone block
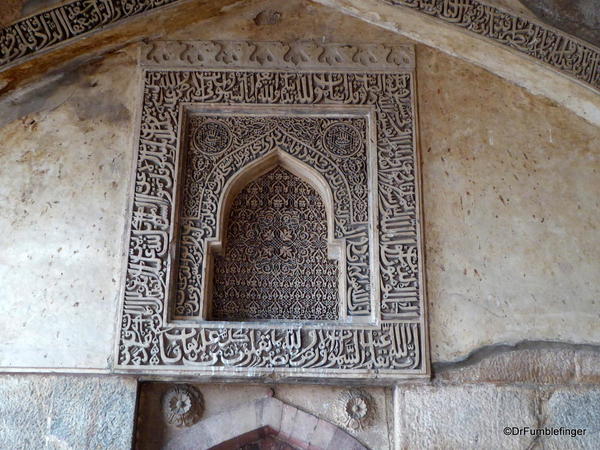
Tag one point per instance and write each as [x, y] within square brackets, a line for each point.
[573, 409]
[48, 411]
[462, 417]
[303, 428]
[271, 413]
[287, 420]
[240, 420]
[343, 440]
[322, 435]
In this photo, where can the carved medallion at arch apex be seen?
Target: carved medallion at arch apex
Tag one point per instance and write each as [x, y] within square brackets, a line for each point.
[329, 113]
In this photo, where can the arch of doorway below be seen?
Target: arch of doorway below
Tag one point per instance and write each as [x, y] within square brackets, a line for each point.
[260, 418]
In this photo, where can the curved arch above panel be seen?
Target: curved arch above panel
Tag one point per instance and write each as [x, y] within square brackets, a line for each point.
[568, 55]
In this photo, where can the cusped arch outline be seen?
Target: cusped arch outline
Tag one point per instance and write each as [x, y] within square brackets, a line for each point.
[342, 196]
[242, 178]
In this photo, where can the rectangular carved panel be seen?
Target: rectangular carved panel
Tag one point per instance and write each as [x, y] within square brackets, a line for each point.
[344, 113]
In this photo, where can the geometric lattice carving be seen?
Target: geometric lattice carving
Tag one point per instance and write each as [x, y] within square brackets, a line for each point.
[207, 136]
[274, 265]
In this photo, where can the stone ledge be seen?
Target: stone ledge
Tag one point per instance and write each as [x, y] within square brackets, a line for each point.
[528, 362]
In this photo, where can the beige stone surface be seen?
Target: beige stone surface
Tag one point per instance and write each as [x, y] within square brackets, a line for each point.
[477, 416]
[511, 184]
[64, 168]
[535, 363]
[486, 53]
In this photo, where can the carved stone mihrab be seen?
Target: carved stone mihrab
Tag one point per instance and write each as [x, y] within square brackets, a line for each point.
[254, 137]
[351, 131]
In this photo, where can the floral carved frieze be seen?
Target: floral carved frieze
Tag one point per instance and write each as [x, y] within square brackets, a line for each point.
[277, 55]
[351, 131]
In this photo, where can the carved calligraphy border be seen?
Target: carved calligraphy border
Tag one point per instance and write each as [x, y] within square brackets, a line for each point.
[566, 54]
[569, 55]
[393, 344]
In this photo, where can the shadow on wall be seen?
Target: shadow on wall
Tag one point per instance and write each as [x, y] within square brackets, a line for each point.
[580, 18]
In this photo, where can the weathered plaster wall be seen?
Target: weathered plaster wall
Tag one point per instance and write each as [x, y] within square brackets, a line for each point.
[510, 195]
[511, 187]
[65, 154]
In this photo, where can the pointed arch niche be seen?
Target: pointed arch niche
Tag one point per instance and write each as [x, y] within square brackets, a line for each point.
[346, 126]
[275, 256]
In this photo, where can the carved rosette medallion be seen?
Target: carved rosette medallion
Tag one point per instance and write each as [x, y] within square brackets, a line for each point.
[342, 139]
[309, 106]
[212, 137]
[182, 405]
[356, 410]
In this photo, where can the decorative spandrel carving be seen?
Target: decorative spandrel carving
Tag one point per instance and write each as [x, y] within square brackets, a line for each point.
[182, 405]
[212, 137]
[356, 409]
[353, 131]
[275, 263]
